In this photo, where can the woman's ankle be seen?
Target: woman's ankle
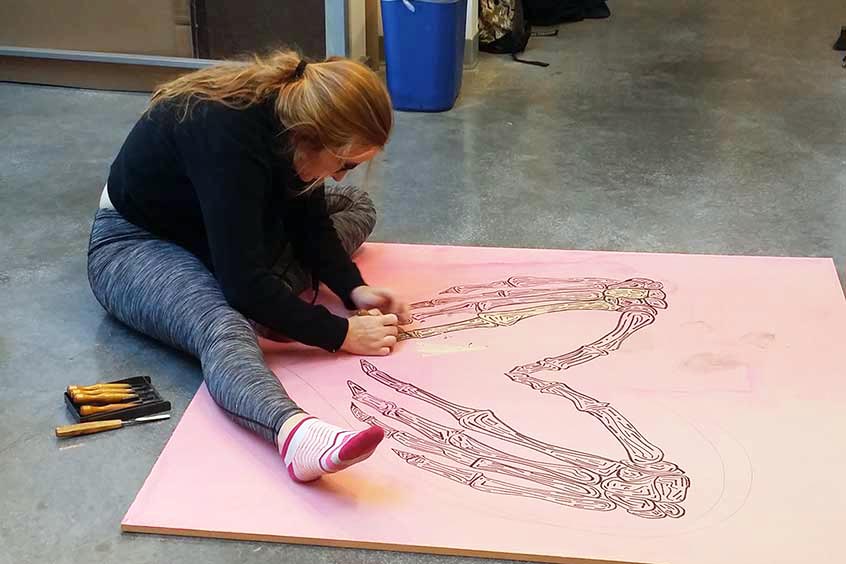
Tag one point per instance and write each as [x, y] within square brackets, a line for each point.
[288, 427]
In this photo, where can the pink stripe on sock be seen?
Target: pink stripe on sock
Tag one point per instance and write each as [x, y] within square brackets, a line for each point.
[291, 435]
[327, 453]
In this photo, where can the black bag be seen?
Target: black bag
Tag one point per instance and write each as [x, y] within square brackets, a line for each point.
[554, 12]
[504, 28]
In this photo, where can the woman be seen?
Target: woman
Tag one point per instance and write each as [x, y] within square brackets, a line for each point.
[214, 219]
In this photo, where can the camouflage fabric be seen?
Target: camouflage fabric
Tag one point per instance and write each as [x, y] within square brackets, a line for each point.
[495, 17]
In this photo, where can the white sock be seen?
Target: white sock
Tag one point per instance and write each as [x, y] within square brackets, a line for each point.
[311, 447]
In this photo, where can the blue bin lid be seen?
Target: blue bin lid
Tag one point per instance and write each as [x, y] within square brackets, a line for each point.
[410, 3]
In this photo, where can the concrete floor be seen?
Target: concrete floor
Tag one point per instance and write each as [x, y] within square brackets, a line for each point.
[705, 127]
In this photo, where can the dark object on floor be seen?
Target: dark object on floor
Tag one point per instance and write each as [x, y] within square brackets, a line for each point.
[597, 10]
[840, 44]
[553, 12]
[504, 28]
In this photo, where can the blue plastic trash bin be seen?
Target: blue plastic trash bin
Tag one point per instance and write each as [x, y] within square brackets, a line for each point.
[424, 52]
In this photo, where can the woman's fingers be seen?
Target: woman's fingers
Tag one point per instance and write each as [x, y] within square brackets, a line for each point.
[371, 334]
[389, 303]
[385, 345]
[390, 319]
[402, 311]
[383, 332]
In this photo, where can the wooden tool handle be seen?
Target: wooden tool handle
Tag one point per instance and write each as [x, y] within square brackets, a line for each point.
[86, 410]
[74, 393]
[108, 397]
[109, 391]
[88, 428]
[99, 388]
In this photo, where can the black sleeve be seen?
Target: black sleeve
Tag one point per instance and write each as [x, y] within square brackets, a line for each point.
[335, 267]
[228, 161]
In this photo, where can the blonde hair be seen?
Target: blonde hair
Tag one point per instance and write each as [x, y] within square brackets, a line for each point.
[332, 105]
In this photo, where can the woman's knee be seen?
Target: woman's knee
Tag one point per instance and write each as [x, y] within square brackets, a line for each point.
[350, 199]
[365, 206]
[353, 214]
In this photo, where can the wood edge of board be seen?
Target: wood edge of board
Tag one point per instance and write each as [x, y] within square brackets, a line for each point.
[334, 543]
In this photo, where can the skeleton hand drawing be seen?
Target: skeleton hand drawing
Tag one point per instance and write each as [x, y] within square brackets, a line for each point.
[643, 484]
[574, 479]
[493, 305]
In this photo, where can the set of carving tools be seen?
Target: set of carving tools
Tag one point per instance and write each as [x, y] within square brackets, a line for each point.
[112, 405]
[105, 398]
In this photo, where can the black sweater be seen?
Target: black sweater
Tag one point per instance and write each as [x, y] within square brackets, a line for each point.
[222, 185]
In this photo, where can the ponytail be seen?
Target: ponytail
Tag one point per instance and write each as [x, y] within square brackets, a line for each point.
[329, 104]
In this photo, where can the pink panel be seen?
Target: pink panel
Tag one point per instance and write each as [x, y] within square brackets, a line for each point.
[554, 405]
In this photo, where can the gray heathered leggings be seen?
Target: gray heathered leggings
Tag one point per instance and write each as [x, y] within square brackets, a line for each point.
[164, 291]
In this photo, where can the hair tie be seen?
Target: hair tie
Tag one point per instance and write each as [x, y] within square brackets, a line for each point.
[298, 73]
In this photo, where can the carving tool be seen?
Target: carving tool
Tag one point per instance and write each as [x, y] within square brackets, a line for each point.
[105, 397]
[72, 391]
[107, 391]
[107, 425]
[141, 390]
[110, 396]
[86, 410]
[98, 388]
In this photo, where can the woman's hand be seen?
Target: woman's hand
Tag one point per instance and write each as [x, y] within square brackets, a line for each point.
[374, 334]
[383, 299]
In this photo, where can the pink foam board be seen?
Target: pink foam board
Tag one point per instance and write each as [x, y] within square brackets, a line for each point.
[553, 406]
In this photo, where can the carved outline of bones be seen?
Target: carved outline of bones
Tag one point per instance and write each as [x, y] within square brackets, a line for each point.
[644, 485]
